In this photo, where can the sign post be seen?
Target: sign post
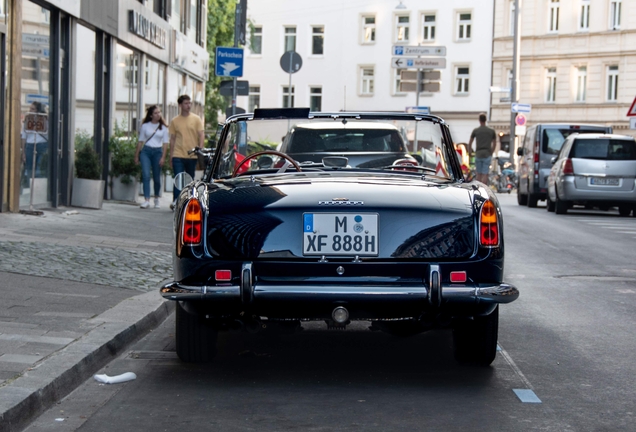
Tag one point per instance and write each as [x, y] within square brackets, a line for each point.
[290, 62]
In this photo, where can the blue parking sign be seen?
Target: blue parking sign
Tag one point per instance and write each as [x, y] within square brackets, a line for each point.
[229, 62]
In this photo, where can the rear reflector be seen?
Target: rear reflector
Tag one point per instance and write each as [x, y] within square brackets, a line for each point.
[192, 223]
[223, 275]
[488, 225]
[458, 277]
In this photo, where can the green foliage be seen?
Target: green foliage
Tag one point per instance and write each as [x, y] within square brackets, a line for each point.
[87, 162]
[220, 33]
[122, 146]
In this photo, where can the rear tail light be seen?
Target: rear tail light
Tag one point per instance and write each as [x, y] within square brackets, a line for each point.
[537, 144]
[192, 223]
[223, 275]
[568, 169]
[488, 225]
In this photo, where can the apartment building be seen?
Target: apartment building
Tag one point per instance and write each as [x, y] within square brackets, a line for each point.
[346, 51]
[578, 61]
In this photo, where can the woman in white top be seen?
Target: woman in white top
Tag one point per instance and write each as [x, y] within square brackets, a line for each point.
[151, 152]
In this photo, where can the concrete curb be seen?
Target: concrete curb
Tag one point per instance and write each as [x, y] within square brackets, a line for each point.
[59, 374]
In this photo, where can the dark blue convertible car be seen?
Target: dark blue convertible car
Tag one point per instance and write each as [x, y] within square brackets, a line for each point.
[337, 223]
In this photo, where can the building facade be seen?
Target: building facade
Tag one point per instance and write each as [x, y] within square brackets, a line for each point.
[346, 52]
[578, 61]
[80, 69]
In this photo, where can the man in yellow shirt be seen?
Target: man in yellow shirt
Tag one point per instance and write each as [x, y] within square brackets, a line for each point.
[186, 132]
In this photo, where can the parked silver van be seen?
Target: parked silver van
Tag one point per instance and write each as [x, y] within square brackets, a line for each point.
[541, 143]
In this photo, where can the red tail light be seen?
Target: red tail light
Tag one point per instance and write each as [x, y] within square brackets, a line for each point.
[192, 223]
[488, 225]
[567, 169]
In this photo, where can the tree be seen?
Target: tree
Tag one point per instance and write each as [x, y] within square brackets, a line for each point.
[220, 33]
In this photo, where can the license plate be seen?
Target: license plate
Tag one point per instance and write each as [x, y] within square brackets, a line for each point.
[340, 234]
[602, 181]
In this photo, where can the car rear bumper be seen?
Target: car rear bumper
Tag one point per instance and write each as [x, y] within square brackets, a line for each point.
[597, 194]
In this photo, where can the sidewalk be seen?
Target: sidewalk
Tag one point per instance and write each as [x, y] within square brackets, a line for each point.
[77, 286]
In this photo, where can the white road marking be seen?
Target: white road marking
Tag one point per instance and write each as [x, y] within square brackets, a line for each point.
[526, 396]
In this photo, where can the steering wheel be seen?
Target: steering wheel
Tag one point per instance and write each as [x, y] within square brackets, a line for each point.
[265, 152]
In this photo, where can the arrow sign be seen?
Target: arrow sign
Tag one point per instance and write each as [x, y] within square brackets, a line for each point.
[520, 108]
[404, 50]
[418, 63]
[229, 62]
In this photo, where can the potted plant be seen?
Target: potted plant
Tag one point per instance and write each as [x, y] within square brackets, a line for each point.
[124, 173]
[88, 187]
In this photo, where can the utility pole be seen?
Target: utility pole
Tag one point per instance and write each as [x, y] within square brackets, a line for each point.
[514, 91]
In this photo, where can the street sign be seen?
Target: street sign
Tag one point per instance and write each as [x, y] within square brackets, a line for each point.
[520, 120]
[418, 63]
[242, 88]
[418, 110]
[229, 62]
[495, 89]
[428, 87]
[632, 109]
[405, 50]
[520, 108]
[291, 62]
[632, 123]
[33, 97]
[411, 75]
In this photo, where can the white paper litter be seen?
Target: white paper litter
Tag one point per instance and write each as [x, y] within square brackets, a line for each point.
[71, 212]
[128, 376]
[59, 419]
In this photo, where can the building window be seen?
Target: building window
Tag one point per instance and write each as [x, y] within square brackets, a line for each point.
[584, 22]
[317, 40]
[509, 79]
[254, 98]
[462, 78]
[368, 29]
[288, 97]
[428, 27]
[612, 83]
[397, 80]
[132, 68]
[553, 25]
[315, 98]
[615, 14]
[581, 83]
[512, 18]
[290, 39]
[402, 28]
[550, 82]
[463, 26]
[366, 80]
[256, 40]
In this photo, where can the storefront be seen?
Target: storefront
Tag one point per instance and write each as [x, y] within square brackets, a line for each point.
[87, 68]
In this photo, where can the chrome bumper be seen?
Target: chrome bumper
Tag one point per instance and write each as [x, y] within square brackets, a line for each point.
[451, 293]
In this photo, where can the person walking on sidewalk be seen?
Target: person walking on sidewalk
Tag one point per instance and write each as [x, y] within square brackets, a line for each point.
[186, 132]
[151, 152]
[486, 143]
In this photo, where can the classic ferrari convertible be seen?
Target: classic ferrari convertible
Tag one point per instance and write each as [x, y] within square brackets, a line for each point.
[304, 216]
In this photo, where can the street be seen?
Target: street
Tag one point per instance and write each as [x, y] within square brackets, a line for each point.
[569, 339]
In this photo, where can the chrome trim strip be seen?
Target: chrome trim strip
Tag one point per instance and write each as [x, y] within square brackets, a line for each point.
[451, 293]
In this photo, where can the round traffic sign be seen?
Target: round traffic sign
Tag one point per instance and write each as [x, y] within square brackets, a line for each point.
[520, 119]
[291, 62]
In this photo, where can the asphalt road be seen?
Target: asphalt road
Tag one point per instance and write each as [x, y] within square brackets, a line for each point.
[569, 340]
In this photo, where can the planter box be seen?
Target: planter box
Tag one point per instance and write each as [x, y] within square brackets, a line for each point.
[123, 192]
[88, 193]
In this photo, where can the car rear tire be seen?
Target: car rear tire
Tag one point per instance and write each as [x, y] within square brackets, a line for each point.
[532, 200]
[475, 341]
[624, 210]
[196, 338]
[560, 206]
[522, 199]
[549, 203]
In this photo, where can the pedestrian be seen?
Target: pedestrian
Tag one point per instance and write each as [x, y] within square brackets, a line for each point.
[486, 142]
[35, 141]
[151, 152]
[186, 133]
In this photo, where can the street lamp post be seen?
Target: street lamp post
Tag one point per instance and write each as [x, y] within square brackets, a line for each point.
[514, 91]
